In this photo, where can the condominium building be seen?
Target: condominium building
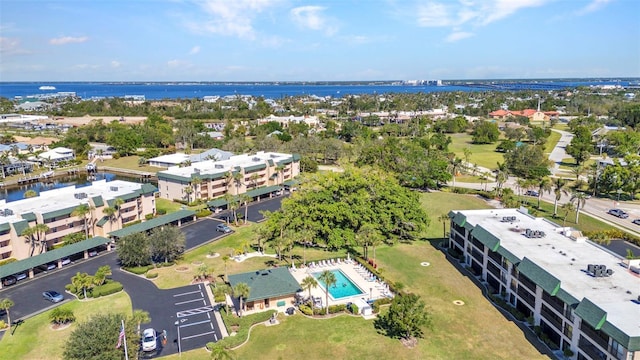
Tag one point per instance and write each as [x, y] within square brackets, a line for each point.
[584, 299]
[56, 209]
[212, 179]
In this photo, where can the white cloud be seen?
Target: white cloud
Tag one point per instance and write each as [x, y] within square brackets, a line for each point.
[458, 35]
[115, 64]
[68, 40]
[177, 63]
[194, 50]
[595, 5]
[230, 18]
[11, 46]
[312, 17]
[500, 9]
[434, 15]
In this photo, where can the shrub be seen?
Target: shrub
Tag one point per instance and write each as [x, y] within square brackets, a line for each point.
[568, 352]
[203, 213]
[151, 275]
[148, 217]
[139, 270]
[161, 211]
[3, 324]
[334, 309]
[8, 261]
[132, 223]
[354, 309]
[62, 316]
[377, 303]
[305, 309]
[108, 288]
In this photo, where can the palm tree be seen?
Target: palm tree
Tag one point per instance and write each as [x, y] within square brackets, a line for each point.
[225, 260]
[559, 188]
[254, 180]
[544, 184]
[110, 212]
[36, 237]
[580, 199]
[329, 279]
[83, 281]
[455, 166]
[305, 236]
[6, 304]
[363, 237]
[101, 275]
[577, 171]
[245, 199]
[309, 283]
[81, 211]
[444, 218]
[237, 180]
[567, 208]
[218, 352]
[195, 182]
[279, 171]
[502, 176]
[242, 291]
[232, 204]
[375, 240]
[188, 191]
[117, 204]
[140, 317]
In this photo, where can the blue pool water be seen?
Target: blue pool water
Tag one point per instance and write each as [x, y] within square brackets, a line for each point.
[343, 287]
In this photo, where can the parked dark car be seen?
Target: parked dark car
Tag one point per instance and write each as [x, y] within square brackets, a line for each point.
[532, 193]
[618, 213]
[636, 221]
[9, 280]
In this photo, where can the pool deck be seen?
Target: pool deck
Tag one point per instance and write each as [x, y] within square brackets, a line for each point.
[357, 274]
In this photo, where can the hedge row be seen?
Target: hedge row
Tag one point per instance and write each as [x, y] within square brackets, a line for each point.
[106, 289]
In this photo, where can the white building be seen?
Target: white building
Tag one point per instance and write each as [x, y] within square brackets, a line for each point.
[583, 298]
[56, 155]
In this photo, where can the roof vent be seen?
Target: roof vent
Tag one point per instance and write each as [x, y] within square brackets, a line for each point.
[599, 270]
[256, 159]
[218, 166]
[113, 188]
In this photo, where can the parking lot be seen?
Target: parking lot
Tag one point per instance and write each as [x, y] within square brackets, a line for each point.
[195, 320]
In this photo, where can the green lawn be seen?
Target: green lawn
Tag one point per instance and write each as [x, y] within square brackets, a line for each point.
[484, 155]
[552, 140]
[128, 162]
[167, 205]
[35, 339]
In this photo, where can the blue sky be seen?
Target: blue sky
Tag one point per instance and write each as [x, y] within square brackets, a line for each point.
[323, 40]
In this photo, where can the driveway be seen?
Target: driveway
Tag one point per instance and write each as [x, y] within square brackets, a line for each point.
[255, 208]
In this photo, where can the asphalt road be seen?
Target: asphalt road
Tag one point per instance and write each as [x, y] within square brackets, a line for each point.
[162, 305]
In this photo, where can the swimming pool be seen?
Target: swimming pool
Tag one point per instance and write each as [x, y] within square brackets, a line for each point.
[343, 287]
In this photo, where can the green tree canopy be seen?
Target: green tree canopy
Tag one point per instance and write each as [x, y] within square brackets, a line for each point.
[167, 243]
[96, 339]
[527, 161]
[485, 132]
[337, 205]
[406, 317]
[134, 250]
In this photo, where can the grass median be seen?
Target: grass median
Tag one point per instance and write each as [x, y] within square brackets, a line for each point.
[34, 339]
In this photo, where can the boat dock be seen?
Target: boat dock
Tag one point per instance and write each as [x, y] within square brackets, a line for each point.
[128, 172]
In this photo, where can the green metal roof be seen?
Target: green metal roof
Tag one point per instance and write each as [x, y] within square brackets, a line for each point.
[459, 219]
[147, 188]
[270, 161]
[291, 182]
[538, 275]
[591, 313]
[567, 298]
[508, 255]
[111, 202]
[630, 343]
[29, 216]
[263, 190]
[254, 167]
[60, 212]
[486, 238]
[21, 226]
[97, 200]
[267, 284]
[285, 161]
[153, 223]
[102, 221]
[5, 227]
[216, 203]
[166, 176]
[50, 256]
[296, 157]
[129, 196]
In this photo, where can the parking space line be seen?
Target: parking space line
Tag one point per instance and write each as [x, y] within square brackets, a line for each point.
[195, 323]
[196, 311]
[188, 293]
[194, 336]
[190, 301]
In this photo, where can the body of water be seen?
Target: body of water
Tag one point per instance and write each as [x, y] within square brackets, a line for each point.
[190, 90]
[82, 180]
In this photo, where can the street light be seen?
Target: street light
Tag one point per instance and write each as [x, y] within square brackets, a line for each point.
[619, 192]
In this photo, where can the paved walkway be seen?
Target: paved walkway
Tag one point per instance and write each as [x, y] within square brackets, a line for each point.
[243, 257]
